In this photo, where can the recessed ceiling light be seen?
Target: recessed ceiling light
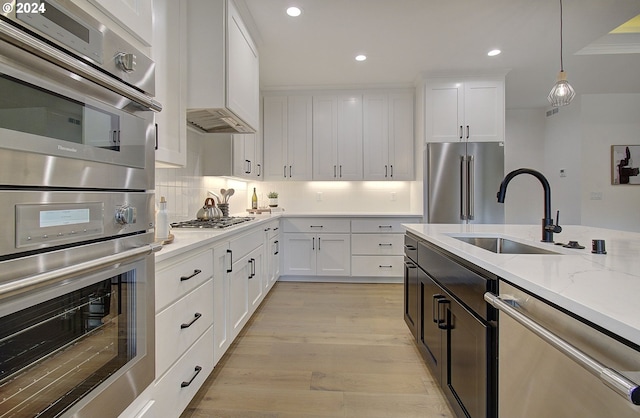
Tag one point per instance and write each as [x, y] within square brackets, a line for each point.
[361, 57]
[494, 52]
[294, 11]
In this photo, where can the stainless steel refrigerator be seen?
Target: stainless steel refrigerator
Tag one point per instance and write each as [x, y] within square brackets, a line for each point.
[461, 182]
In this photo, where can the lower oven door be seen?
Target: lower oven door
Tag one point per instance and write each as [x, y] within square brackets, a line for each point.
[82, 347]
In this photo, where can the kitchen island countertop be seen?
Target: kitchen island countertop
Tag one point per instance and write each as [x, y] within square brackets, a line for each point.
[601, 288]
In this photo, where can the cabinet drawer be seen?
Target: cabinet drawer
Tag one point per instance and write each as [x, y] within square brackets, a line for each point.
[316, 225]
[377, 244]
[177, 276]
[181, 324]
[246, 243]
[170, 395]
[272, 229]
[381, 225]
[377, 266]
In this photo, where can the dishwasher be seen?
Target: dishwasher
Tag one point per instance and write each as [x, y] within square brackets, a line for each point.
[554, 364]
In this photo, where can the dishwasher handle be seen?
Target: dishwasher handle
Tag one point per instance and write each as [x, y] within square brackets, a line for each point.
[612, 378]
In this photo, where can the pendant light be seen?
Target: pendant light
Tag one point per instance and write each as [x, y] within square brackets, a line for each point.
[562, 93]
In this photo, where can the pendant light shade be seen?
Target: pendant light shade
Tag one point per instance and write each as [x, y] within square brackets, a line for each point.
[562, 93]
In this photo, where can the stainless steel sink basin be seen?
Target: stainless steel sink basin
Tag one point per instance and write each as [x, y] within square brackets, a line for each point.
[503, 245]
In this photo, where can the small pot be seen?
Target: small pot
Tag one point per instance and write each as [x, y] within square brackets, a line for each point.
[208, 210]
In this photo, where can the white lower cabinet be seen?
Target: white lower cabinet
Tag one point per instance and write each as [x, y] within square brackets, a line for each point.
[377, 247]
[271, 264]
[238, 287]
[178, 386]
[316, 254]
[181, 324]
[360, 248]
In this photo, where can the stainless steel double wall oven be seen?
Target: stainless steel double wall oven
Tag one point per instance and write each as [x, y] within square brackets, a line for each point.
[77, 208]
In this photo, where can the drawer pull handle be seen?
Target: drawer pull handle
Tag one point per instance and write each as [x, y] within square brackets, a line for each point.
[195, 273]
[410, 247]
[230, 269]
[384, 266]
[385, 226]
[197, 370]
[195, 318]
[410, 265]
[385, 245]
[315, 226]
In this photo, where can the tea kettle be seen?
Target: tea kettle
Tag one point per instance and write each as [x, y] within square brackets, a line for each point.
[208, 210]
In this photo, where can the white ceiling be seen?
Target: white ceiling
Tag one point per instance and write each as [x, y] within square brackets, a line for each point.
[406, 38]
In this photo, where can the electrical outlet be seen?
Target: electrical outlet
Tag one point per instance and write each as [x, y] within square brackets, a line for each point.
[393, 196]
[596, 195]
[319, 197]
[563, 172]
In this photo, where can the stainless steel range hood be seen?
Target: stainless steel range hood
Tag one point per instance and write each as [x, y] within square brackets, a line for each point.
[217, 121]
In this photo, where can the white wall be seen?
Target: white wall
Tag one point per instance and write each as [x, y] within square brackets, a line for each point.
[606, 120]
[524, 148]
[186, 188]
[578, 139]
[562, 151]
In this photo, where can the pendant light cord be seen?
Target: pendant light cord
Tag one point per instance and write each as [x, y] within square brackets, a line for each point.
[561, 61]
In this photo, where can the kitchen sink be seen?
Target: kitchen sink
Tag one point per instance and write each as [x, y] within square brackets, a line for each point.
[503, 245]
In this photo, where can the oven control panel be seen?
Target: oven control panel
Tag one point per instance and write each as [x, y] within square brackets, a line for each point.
[49, 219]
[47, 223]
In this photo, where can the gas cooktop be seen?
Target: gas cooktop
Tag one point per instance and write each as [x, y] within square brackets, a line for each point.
[218, 223]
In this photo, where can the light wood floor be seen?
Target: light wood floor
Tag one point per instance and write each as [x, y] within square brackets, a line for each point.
[323, 350]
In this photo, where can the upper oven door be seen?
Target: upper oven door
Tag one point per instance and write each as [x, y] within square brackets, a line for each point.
[60, 128]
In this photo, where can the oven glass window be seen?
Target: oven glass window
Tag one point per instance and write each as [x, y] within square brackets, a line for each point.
[54, 353]
[33, 110]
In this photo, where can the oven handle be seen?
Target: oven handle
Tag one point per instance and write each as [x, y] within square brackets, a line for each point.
[41, 49]
[37, 280]
[612, 378]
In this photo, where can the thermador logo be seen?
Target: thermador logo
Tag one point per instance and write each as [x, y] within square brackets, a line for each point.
[61, 148]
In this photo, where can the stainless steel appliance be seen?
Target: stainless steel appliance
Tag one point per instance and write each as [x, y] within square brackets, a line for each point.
[75, 96]
[461, 182]
[553, 364]
[216, 223]
[77, 203]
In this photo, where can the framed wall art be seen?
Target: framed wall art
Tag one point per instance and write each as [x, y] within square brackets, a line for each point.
[625, 164]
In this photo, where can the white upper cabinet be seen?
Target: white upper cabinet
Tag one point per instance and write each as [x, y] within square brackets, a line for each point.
[169, 52]
[465, 110]
[223, 79]
[135, 16]
[337, 137]
[388, 136]
[287, 136]
[246, 161]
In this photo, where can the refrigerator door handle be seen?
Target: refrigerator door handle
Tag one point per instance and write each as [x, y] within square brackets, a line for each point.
[470, 186]
[463, 187]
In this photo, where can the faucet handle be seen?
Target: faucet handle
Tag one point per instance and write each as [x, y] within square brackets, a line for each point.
[555, 228]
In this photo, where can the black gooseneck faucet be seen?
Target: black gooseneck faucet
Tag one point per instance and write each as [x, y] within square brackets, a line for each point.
[548, 228]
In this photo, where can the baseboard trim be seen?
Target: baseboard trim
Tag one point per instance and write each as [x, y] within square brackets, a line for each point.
[340, 279]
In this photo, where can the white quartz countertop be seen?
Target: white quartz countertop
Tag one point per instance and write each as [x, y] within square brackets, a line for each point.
[601, 288]
[186, 239]
[349, 215]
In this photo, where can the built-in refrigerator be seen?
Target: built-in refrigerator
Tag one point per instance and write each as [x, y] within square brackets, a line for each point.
[461, 182]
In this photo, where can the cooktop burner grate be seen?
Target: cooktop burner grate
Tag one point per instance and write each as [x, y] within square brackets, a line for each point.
[219, 223]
